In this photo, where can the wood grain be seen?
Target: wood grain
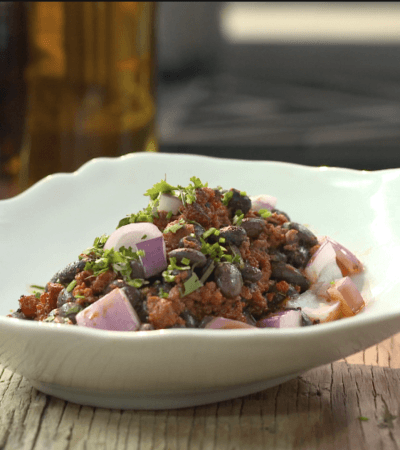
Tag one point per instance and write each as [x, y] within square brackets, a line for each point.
[350, 404]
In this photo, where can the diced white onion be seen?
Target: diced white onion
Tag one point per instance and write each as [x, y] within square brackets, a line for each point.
[142, 236]
[169, 203]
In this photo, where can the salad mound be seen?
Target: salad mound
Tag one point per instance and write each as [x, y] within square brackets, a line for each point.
[198, 257]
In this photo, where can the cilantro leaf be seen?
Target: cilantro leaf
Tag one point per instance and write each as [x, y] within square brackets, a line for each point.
[174, 228]
[162, 187]
[192, 284]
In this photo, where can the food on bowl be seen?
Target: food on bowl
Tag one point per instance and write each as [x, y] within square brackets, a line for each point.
[198, 257]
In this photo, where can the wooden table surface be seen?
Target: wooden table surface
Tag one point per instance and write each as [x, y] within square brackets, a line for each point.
[350, 404]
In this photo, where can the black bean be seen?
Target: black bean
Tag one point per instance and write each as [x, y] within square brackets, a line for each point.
[250, 273]
[67, 274]
[198, 230]
[64, 296]
[137, 269]
[70, 310]
[18, 315]
[277, 211]
[133, 296]
[277, 256]
[205, 321]
[113, 285]
[239, 202]
[234, 251]
[305, 320]
[142, 311]
[253, 227]
[286, 272]
[298, 257]
[304, 234]
[206, 268]
[190, 319]
[228, 279]
[194, 256]
[277, 298]
[291, 292]
[249, 318]
[233, 235]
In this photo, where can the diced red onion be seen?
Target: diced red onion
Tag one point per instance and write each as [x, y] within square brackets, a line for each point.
[263, 201]
[154, 259]
[169, 203]
[347, 261]
[142, 236]
[111, 312]
[323, 266]
[350, 298]
[281, 319]
[316, 307]
[220, 323]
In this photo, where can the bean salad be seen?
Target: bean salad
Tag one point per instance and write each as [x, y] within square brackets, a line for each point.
[201, 257]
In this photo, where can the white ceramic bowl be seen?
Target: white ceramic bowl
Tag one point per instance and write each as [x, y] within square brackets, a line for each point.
[47, 226]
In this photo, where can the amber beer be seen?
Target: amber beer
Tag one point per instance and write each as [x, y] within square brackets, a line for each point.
[90, 84]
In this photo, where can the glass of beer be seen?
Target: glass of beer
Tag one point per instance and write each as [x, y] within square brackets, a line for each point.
[78, 83]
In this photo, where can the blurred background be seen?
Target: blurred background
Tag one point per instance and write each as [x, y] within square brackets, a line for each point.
[309, 83]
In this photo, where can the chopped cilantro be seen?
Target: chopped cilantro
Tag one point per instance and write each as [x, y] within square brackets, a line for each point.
[226, 198]
[37, 294]
[35, 286]
[118, 261]
[162, 293]
[185, 261]
[144, 236]
[97, 247]
[192, 284]
[264, 213]
[197, 182]
[173, 266]
[168, 277]
[174, 228]
[215, 251]
[237, 219]
[137, 282]
[168, 273]
[71, 285]
[160, 188]
[209, 232]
